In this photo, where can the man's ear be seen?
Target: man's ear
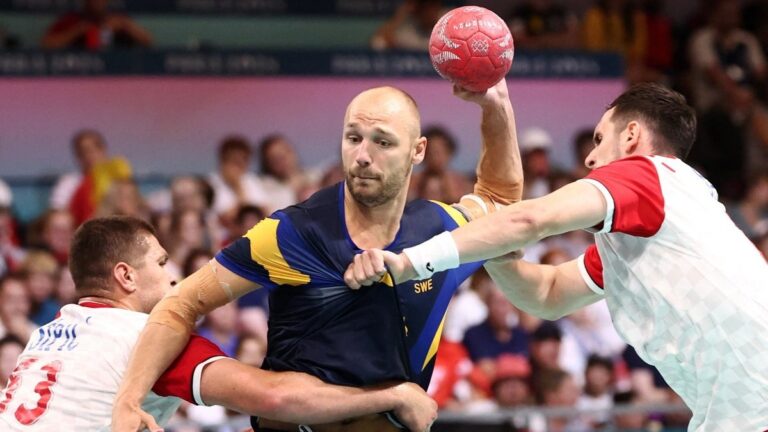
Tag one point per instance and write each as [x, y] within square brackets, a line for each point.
[631, 139]
[125, 276]
[419, 150]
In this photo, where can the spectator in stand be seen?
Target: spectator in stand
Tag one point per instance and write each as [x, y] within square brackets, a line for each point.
[630, 421]
[10, 349]
[196, 259]
[598, 390]
[82, 192]
[728, 71]
[57, 227]
[437, 180]
[545, 347]
[247, 217]
[124, 199]
[220, 327]
[500, 333]
[617, 26]
[544, 24]
[657, 62]
[11, 252]
[751, 213]
[187, 233]
[40, 272]
[283, 178]
[233, 184]
[510, 383]
[14, 308]
[95, 28]
[410, 27]
[535, 144]
[555, 388]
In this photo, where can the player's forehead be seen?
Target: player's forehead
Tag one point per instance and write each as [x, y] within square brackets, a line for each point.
[154, 250]
[381, 108]
[605, 124]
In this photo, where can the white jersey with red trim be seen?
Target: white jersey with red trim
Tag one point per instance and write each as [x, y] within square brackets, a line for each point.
[69, 373]
[685, 287]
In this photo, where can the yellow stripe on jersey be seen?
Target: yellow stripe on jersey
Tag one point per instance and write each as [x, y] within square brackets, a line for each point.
[452, 212]
[266, 252]
[435, 343]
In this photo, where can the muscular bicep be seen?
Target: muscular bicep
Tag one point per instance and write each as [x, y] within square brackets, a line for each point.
[545, 291]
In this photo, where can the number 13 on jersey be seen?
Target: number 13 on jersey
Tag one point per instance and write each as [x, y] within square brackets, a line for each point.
[29, 412]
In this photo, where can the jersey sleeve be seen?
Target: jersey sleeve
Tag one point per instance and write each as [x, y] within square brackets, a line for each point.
[182, 378]
[632, 191]
[263, 254]
[591, 269]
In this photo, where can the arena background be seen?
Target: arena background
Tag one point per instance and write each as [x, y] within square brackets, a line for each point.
[254, 68]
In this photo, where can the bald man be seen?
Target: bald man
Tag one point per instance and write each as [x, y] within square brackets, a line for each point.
[383, 333]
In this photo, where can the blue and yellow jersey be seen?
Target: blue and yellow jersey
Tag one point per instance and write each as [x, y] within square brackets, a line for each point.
[317, 324]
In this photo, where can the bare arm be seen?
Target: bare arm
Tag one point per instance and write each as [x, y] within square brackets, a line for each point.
[575, 206]
[300, 398]
[499, 169]
[167, 332]
[548, 292]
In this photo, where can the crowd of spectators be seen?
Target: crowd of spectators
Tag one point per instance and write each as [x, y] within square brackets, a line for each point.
[492, 355]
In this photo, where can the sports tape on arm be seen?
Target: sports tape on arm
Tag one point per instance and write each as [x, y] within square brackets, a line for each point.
[195, 296]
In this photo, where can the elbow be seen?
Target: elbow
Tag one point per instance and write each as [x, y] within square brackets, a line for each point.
[528, 222]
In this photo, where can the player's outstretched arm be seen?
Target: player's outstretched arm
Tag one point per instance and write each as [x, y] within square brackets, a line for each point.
[300, 398]
[499, 168]
[167, 332]
[575, 206]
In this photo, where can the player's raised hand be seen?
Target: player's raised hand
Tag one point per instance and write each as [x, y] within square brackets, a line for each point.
[128, 418]
[417, 410]
[498, 93]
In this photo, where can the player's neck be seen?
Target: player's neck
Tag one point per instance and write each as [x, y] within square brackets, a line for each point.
[117, 304]
[373, 227]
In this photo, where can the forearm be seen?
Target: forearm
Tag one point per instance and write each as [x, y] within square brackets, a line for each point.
[289, 396]
[499, 169]
[319, 402]
[157, 347]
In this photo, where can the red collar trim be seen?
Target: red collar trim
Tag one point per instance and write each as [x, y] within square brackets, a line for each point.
[93, 304]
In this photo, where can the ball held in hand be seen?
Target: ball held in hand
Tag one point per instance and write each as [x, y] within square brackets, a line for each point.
[472, 47]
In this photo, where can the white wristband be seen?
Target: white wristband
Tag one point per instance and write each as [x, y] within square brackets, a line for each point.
[434, 255]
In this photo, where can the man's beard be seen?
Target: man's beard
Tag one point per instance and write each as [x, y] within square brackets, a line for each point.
[388, 190]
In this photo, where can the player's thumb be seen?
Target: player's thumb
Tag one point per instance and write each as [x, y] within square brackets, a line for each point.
[394, 265]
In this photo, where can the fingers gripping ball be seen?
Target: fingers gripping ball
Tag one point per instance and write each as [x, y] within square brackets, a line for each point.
[472, 47]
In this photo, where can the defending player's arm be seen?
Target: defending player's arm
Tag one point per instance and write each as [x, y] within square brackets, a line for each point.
[300, 398]
[545, 291]
[167, 332]
[499, 169]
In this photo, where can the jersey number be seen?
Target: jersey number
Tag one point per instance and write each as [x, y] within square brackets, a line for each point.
[28, 415]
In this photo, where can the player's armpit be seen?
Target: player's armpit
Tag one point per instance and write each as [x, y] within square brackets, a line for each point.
[203, 291]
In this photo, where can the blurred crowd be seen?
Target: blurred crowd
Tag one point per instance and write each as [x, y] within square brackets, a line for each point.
[492, 355]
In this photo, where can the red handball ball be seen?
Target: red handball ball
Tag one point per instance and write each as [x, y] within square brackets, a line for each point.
[472, 47]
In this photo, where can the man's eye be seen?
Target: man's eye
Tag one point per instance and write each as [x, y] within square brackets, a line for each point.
[353, 138]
